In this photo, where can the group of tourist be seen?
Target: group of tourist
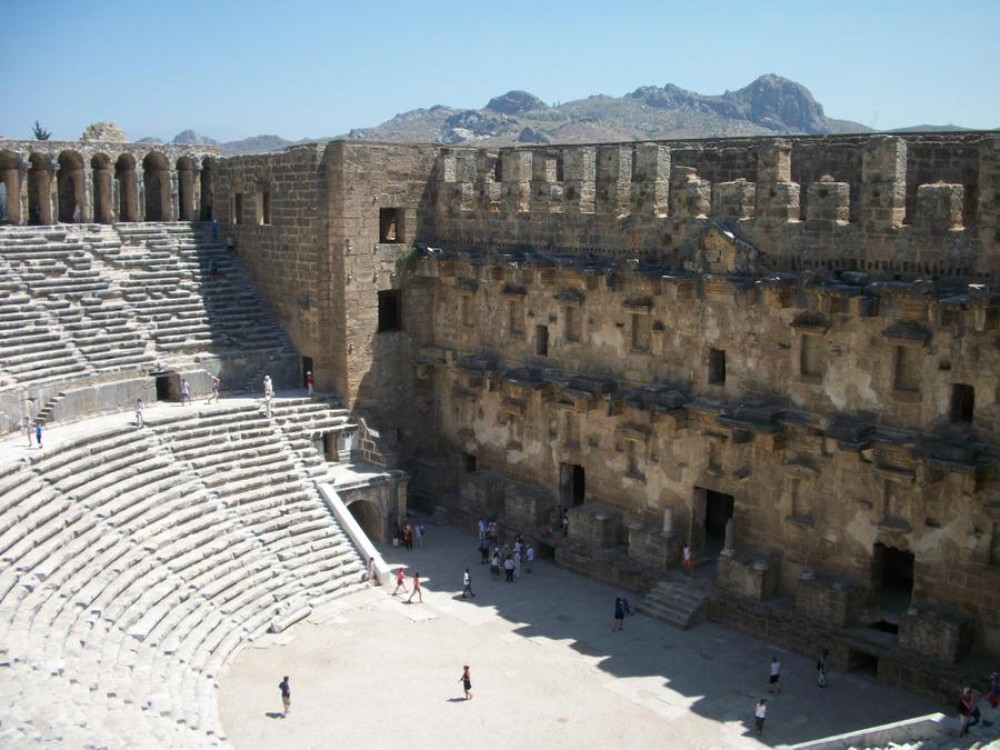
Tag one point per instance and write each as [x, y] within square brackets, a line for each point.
[513, 558]
[32, 429]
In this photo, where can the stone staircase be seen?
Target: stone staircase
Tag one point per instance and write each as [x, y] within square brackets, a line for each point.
[679, 603]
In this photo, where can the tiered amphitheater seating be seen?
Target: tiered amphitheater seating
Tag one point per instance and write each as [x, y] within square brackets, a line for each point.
[96, 299]
[137, 562]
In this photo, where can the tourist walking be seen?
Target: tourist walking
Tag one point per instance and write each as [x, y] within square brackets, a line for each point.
[138, 412]
[619, 621]
[26, 428]
[309, 382]
[529, 558]
[495, 565]
[286, 694]
[38, 434]
[216, 387]
[371, 575]
[185, 392]
[467, 584]
[407, 536]
[466, 680]
[821, 668]
[484, 551]
[400, 581]
[994, 694]
[969, 708]
[417, 591]
[774, 676]
[760, 713]
[508, 569]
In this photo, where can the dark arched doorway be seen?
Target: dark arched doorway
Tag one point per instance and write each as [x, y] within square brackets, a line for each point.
[367, 514]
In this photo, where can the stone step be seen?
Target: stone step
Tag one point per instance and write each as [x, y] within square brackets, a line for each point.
[679, 604]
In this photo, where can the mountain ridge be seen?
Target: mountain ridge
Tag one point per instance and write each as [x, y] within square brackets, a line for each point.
[769, 105]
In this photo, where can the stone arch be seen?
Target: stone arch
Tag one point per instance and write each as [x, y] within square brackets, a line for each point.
[128, 188]
[207, 210]
[369, 516]
[39, 189]
[156, 182]
[10, 188]
[70, 187]
[104, 207]
[186, 171]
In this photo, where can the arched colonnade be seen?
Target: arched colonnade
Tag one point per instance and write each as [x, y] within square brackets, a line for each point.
[71, 183]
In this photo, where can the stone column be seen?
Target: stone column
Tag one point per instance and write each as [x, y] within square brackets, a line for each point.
[614, 181]
[777, 197]
[883, 184]
[651, 180]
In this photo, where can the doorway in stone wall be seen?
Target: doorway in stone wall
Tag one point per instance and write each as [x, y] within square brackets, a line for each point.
[367, 514]
[719, 508]
[572, 485]
[892, 576]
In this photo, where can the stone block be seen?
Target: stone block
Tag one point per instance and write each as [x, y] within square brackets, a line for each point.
[937, 632]
[752, 576]
[827, 599]
[596, 524]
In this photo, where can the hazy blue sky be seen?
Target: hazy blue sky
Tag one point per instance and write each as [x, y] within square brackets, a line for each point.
[303, 69]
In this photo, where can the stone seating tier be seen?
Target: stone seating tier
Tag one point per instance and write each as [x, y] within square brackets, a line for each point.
[132, 576]
[122, 298]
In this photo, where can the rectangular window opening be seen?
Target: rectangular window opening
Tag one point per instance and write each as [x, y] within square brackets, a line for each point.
[542, 341]
[812, 360]
[390, 225]
[716, 367]
[963, 402]
[907, 369]
[390, 310]
[237, 217]
[265, 208]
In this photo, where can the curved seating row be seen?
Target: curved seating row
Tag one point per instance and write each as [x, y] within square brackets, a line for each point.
[137, 562]
[80, 300]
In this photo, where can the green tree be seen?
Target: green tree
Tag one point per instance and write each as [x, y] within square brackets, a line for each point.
[40, 133]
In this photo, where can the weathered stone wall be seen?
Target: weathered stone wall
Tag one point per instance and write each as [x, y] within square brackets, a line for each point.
[285, 251]
[800, 327]
[828, 437]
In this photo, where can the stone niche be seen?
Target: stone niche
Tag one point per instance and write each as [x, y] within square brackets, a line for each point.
[596, 525]
[829, 599]
[482, 493]
[937, 632]
[754, 576]
[527, 507]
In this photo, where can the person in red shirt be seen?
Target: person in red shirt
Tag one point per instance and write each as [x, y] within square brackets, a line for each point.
[400, 581]
[309, 382]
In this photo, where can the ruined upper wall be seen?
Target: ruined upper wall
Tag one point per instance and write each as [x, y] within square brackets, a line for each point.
[895, 206]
